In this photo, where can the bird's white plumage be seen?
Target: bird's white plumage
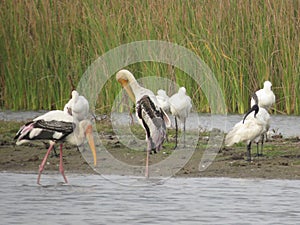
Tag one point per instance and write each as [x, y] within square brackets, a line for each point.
[35, 132]
[151, 117]
[266, 97]
[138, 91]
[54, 115]
[79, 136]
[57, 115]
[76, 137]
[77, 106]
[57, 126]
[180, 105]
[163, 100]
[250, 130]
[57, 135]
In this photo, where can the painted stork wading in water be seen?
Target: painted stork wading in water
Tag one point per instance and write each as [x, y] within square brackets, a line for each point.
[264, 98]
[57, 127]
[254, 124]
[78, 107]
[151, 117]
[180, 107]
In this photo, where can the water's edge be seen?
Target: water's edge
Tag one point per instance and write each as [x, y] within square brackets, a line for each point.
[288, 126]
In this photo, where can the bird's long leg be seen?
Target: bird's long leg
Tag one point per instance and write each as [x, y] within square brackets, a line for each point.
[176, 134]
[249, 152]
[167, 139]
[55, 153]
[262, 144]
[184, 134]
[257, 150]
[149, 146]
[61, 166]
[42, 165]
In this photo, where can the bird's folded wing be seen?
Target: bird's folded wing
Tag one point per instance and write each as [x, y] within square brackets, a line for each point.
[55, 125]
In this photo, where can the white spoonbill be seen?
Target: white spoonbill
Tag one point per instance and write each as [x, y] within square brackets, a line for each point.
[254, 124]
[163, 100]
[265, 96]
[77, 106]
[180, 107]
[151, 117]
[57, 127]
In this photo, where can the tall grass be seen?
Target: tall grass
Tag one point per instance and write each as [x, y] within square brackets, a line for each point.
[47, 45]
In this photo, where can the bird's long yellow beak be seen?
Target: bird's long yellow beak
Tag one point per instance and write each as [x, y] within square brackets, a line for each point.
[90, 138]
[127, 88]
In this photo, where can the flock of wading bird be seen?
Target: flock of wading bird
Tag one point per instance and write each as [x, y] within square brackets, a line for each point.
[72, 124]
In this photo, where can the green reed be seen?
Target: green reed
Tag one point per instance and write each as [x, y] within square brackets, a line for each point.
[46, 46]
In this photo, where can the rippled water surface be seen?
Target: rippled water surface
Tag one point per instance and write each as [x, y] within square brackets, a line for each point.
[94, 199]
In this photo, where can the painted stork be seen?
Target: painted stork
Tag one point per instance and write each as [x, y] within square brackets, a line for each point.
[57, 127]
[254, 124]
[180, 107]
[151, 117]
[265, 96]
[77, 106]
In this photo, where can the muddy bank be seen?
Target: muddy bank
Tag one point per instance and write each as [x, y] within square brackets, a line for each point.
[281, 159]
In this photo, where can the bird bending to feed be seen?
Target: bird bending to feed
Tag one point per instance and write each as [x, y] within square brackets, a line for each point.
[180, 107]
[77, 106]
[151, 117]
[254, 124]
[163, 100]
[265, 96]
[57, 127]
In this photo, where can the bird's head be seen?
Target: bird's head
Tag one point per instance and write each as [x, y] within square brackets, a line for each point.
[75, 94]
[125, 78]
[182, 91]
[267, 85]
[254, 108]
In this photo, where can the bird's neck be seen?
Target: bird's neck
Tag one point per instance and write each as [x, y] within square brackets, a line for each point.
[78, 136]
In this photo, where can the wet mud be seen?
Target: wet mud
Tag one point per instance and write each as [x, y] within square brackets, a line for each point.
[280, 160]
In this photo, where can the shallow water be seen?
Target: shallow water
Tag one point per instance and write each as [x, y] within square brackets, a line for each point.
[93, 199]
[288, 126]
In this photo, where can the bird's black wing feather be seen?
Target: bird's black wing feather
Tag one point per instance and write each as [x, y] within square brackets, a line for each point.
[54, 125]
[139, 107]
[152, 119]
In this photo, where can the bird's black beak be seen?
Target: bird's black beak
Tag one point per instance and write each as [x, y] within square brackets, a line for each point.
[254, 108]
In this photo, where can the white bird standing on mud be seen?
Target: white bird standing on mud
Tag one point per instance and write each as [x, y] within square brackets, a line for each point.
[265, 99]
[152, 118]
[58, 127]
[254, 124]
[180, 107]
[77, 106]
[265, 96]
